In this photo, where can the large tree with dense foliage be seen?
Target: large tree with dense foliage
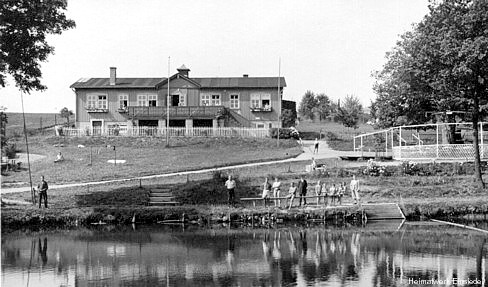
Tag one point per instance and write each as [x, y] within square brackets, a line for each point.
[324, 107]
[66, 113]
[24, 25]
[441, 65]
[308, 105]
[349, 111]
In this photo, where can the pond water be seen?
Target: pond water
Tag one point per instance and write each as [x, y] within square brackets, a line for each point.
[386, 253]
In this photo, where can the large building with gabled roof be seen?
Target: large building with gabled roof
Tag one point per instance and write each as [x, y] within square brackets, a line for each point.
[245, 101]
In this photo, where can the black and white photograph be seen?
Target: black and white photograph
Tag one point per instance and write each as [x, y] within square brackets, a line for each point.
[244, 143]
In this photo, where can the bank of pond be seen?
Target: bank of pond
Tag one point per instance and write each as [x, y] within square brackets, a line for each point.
[32, 217]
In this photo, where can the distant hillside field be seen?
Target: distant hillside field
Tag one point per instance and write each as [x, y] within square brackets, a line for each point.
[34, 120]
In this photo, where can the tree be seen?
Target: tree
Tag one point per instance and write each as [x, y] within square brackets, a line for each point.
[441, 65]
[3, 127]
[307, 105]
[349, 111]
[324, 107]
[288, 118]
[65, 113]
[24, 25]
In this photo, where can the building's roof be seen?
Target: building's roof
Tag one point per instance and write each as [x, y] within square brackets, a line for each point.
[238, 82]
[91, 83]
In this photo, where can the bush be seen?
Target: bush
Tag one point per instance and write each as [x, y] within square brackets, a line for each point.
[287, 133]
[10, 150]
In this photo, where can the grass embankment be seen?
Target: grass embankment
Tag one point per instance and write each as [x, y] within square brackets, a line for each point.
[144, 156]
[445, 194]
[337, 136]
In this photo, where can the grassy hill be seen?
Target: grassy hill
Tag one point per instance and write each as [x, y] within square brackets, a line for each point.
[34, 121]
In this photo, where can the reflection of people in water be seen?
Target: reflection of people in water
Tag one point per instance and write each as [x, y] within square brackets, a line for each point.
[318, 250]
[266, 249]
[292, 245]
[43, 251]
[276, 246]
[355, 248]
[303, 241]
[230, 252]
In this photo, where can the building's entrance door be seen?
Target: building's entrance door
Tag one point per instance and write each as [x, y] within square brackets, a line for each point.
[97, 127]
[175, 100]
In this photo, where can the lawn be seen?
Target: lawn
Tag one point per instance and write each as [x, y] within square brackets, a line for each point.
[143, 156]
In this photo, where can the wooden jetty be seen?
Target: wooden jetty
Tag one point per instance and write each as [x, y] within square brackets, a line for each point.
[382, 211]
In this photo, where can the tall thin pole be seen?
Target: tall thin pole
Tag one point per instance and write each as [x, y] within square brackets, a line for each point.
[167, 108]
[27, 149]
[279, 101]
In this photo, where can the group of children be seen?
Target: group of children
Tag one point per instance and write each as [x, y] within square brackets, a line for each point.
[335, 192]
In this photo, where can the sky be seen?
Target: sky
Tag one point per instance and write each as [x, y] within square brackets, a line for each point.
[325, 46]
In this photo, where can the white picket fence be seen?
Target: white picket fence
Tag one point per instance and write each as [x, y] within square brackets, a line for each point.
[161, 132]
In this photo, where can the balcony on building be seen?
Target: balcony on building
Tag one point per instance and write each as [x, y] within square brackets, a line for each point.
[177, 112]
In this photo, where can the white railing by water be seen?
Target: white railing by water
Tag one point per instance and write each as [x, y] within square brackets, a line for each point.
[173, 132]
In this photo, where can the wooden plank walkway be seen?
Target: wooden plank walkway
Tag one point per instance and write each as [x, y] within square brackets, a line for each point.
[382, 211]
[161, 197]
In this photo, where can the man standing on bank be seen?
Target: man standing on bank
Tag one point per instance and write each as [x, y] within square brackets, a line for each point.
[42, 187]
[231, 185]
[302, 191]
[354, 185]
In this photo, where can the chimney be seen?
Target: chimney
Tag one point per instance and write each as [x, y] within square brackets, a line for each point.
[113, 76]
[183, 70]
[245, 76]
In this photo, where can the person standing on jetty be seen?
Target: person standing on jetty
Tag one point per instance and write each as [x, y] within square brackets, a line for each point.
[231, 185]
[318, 190]
[266, 191]
[276, 191]
[291, 194]
[302, 191]
[42, 188]
[354, 185]
[316, 146]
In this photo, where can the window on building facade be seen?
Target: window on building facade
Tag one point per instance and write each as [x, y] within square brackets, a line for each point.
[102, 102]
[123, 101]
[205, 100]
[182, 100]
[152, 100]
[210, 100]
[91, 101]
[261, 101]
[215, 100]
[234, 101]
[266, 101]
[142, 100]
[255, 101]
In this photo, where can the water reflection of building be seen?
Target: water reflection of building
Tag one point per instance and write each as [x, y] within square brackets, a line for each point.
[246, 258]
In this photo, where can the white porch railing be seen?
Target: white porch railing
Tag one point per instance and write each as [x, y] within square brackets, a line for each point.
[173, 132]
